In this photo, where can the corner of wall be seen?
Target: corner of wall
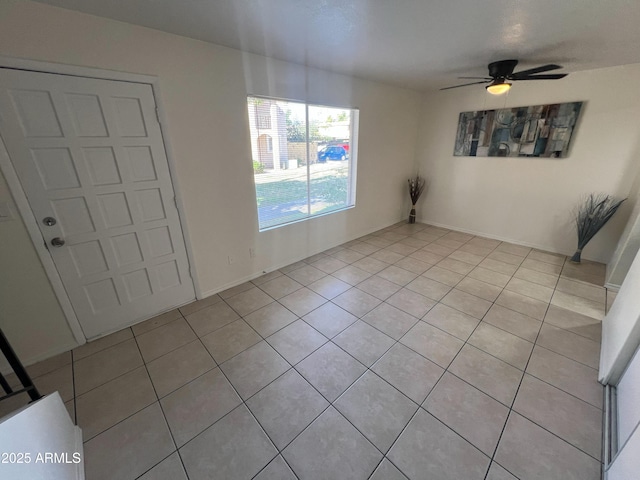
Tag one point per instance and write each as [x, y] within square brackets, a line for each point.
[629, 242]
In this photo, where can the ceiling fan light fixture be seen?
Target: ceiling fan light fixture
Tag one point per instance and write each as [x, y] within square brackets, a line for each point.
[498, 87]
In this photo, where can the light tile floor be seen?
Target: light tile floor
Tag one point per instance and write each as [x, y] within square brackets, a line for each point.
[414, 352]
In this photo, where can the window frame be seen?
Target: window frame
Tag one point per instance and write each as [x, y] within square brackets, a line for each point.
[352, 159]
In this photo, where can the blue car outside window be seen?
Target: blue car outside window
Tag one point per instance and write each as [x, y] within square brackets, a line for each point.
[332, 153]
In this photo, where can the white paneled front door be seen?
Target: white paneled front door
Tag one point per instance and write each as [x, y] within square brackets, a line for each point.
[90, 157]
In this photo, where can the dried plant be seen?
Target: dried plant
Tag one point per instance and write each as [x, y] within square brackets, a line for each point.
[591, 216]
[416, 187]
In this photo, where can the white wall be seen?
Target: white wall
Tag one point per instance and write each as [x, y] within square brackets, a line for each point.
[30, 315]
[530, 200]
[203, 90]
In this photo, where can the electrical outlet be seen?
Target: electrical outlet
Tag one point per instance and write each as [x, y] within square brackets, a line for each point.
[6, 213]
[232, 259]
[252, 253]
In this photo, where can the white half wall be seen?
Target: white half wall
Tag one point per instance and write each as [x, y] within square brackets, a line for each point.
[203, 89]
[531, 200]
[621, 328]
[45, 441]
[629, 243]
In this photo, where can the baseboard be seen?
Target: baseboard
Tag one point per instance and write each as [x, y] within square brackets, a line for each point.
[545, 248]
[43, 356]
[253, 276]
[235, 283]
[5, 370]
[612, 286]
[143, 319]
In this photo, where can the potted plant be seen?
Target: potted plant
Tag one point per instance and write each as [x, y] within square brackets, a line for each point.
[591, 216]
[416, 187]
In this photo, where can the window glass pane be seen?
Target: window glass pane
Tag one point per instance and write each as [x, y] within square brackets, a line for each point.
[330, 136]
[300, 170]
[279, 151]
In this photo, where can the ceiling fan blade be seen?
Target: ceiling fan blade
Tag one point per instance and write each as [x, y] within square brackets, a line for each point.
[476, 78]
[531, 71]
[464, 85]
[551, 76]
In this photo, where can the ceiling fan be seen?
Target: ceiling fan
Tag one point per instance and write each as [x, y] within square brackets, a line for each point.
[502, 71]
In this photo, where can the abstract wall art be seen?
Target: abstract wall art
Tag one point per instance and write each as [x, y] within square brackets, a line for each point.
[536, 131]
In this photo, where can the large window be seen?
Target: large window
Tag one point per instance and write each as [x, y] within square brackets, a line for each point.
[304, 159]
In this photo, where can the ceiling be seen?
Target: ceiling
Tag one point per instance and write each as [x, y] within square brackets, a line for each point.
[419, 44]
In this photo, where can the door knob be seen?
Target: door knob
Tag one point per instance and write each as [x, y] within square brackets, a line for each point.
[57, 242]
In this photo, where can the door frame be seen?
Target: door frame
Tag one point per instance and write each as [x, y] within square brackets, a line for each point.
[22, 203]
